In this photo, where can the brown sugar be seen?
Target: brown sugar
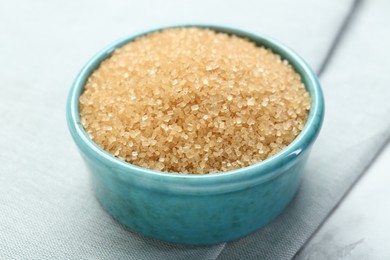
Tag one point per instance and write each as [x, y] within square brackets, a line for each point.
[192, 100]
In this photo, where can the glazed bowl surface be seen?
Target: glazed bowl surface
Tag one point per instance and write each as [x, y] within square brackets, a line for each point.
[191, 208]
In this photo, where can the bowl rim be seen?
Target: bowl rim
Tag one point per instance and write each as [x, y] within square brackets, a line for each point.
[262, 171]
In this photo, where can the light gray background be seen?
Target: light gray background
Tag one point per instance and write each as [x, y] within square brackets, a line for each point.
[47, 209]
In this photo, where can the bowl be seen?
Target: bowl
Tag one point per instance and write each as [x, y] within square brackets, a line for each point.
[190, 208]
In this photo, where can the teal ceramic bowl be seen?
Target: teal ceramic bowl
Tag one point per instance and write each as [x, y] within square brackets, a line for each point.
[198, 209]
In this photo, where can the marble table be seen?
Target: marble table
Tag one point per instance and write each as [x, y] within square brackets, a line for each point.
[358, 229]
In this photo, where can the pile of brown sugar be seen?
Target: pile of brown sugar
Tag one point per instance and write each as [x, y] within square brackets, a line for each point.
[192, 100]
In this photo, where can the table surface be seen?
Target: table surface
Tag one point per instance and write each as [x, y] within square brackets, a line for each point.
[358, 229]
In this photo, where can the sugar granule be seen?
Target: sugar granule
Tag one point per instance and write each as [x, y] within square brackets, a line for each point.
[192, 100]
